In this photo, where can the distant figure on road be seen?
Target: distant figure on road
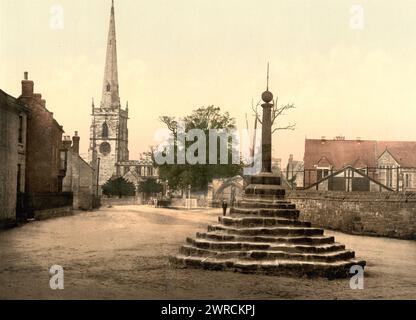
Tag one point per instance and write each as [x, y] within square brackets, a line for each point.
[224, 207]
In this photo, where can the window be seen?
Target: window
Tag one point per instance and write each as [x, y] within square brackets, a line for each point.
[108, 87]
[20, 129]
[389, 176]
[322, 173]
[104, 131]
[408, 180]
[63, 160]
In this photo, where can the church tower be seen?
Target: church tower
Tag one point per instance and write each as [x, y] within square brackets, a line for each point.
[108, 132]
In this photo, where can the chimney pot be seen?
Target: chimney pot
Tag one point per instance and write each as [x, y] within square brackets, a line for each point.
[26, 75]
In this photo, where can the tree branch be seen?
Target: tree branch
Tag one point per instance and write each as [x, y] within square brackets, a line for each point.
[288, 127]
[256, 114]
[278, 111]
[170, 122]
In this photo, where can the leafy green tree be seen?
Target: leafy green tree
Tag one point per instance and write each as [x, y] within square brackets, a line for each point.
[119, 187]
[180, 176]
[150, 186]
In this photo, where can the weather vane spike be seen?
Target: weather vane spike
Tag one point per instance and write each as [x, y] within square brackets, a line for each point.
[267, 76]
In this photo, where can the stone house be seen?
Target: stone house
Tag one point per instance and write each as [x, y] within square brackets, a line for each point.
[79, 178]
[391, 163]
[397, 165]
[13, 124]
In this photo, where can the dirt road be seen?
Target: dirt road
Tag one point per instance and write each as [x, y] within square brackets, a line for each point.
[122, 253]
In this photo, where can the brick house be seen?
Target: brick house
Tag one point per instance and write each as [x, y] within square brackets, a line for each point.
[45, 165]
[44, 170]
[392, 163]
[13, 120]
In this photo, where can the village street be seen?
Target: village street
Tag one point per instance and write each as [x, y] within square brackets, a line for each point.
[122, 253]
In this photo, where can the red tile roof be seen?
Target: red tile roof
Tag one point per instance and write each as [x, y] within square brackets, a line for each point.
[357, 153]
[404, 152]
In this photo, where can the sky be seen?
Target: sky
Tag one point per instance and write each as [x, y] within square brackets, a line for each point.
[348, 66]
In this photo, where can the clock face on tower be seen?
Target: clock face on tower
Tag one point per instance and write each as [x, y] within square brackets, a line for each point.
[105, 148]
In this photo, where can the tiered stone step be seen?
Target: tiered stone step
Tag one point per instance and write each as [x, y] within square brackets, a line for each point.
[247, 246]
[219, 236]
[277, 231]
[338, 255]
[272, 267]
[247, 203]
[266, 190]
[263, 234]
[267, 212]
[250, 221]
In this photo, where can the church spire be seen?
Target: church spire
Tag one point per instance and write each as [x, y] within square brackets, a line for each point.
[110, 97]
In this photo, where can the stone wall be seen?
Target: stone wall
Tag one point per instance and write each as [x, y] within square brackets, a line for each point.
[53, 213]
[124, 201]
[182, 202]
[12, 156]
[367, 213]
[45, 201]
[8, 169]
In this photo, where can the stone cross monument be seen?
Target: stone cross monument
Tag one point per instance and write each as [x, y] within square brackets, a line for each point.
[263, 233]
[266, 129]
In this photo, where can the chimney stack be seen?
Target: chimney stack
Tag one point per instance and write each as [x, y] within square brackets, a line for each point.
[66, 142]
[27, 86]
[75, 143]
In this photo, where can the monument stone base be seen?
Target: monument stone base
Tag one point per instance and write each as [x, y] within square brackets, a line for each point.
[263, 234]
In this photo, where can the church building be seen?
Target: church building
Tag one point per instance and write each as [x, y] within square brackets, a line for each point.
[108, 149]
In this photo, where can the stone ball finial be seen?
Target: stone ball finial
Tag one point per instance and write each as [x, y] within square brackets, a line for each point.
[267, 96]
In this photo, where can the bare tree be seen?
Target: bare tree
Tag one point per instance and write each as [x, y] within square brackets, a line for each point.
[276, 113]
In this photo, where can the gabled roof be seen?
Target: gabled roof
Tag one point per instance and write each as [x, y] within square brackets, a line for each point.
[339, 153]
[404, 152]
[131, 176]
[357, 153]
[7, 100]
